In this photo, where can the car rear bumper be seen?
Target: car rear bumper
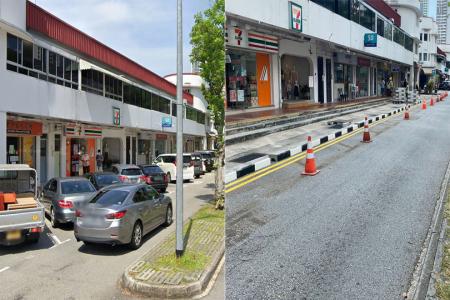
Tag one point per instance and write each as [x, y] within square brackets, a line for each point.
[109, 235]
[159, 186]
[65, 216]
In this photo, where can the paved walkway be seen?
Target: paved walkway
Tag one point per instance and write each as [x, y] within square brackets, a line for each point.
[244, 116]
[287, 139]
[158, 274]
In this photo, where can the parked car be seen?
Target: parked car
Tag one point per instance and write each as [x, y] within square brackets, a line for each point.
[102, 179]
[155, 177]
[61, 197]
[199, 167]
[167, 162]
[445, 86]
[208, 160]
[128, 173]
[122, 214]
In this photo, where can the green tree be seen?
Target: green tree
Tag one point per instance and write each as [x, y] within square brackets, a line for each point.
[208, 51]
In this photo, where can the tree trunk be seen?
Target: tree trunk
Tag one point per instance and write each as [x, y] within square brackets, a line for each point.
[219, 191]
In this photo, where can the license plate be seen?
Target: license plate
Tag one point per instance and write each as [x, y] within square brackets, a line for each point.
[157, 178]
[13, 235]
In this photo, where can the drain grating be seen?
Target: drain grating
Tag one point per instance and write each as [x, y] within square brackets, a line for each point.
[247, 157]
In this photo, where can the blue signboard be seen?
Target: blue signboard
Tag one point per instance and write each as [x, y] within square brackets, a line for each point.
[370, 40]
[166, 122]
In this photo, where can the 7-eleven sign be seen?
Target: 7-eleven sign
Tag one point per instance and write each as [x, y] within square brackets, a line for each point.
[296, 12]
[116, 116]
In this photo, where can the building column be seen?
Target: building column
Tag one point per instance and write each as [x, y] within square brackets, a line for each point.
[124, 149]
[63, 149]
[50, 151]
[3, 131]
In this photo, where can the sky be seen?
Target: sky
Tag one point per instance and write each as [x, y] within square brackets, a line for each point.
[142, 30]
[432, 8]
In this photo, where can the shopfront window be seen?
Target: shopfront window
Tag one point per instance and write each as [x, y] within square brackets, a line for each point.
[380, 27]
[362, 81]
[388, 31]
[367, 18]
[242, 86]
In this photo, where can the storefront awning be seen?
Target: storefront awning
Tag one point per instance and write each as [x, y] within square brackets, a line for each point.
[427, 71]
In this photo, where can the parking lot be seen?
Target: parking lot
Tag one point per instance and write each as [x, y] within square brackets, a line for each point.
[68, 269]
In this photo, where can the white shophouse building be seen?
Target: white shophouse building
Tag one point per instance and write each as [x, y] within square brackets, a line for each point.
[281, 52]
[63, 92]
[430, 56]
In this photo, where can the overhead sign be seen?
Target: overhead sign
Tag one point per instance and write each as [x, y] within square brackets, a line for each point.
[370, 40]
[296, 14]
[167, 122]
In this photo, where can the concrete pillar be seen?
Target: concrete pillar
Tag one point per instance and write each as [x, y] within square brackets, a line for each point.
[62, 168]
[124, 149]
[50, 152]
[2, 137]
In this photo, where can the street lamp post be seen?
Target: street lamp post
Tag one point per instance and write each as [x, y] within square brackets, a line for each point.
[179, 214]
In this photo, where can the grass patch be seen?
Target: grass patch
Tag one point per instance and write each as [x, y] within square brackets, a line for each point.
[189, 262]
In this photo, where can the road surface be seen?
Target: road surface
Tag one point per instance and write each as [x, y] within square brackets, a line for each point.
[355, 230]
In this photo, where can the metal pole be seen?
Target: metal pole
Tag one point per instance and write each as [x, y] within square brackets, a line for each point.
[179, 214]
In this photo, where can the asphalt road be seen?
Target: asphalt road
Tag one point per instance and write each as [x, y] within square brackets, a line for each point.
[355, 230]
[61, 268]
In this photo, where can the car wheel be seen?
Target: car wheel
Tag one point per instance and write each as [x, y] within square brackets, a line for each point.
[136, 236]
[169, 216]
[53, 220]
[197, 176]
[169, 177]
[163, 190]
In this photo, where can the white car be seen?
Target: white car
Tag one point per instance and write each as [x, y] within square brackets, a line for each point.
[167, 162]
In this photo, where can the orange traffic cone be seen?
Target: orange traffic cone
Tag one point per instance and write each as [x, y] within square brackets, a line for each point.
[366, 135]
[424, 103]
[310, 166]
[432, 101]
[406, 112]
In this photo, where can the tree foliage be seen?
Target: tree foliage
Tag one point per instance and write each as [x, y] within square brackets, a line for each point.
[208, 51]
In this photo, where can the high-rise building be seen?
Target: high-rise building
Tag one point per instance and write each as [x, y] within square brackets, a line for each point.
[424, 7]
[441, 19]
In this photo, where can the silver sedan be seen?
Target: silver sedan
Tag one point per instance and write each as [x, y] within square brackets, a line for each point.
[122, 214]
[63, 196]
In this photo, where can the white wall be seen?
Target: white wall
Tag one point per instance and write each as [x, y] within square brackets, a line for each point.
[13, 12]
[320, 23]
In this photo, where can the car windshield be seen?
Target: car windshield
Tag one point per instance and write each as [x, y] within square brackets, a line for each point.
[152, 170]
[110, 197]
[187, 159]
[131, 172]
[168, 159]
[76, 187]
[107, 179]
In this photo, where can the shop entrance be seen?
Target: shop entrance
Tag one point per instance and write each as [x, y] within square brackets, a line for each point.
[76, 148]
[320, 78]
[160, 147]
[21, 150]
[111, 149]
[295, 72]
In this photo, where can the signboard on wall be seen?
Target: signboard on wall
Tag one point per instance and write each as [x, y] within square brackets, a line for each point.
[370, 40]
[296, 17]
[23, 127]
[166, 122]
[240, 96]
[116, 116]
[344, 58]
[311, 81]
[261, 41]
[363, 62]
[236, 36]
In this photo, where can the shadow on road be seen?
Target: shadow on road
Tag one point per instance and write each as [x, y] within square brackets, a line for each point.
[45, 242]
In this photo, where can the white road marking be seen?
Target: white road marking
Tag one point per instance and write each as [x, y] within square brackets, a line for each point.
[59, 244]
[4, 269]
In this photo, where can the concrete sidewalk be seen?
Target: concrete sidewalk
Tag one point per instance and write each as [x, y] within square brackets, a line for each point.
[244, 158]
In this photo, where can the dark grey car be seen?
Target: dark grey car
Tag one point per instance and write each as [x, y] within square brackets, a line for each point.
[63, 196]
[122, 214]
